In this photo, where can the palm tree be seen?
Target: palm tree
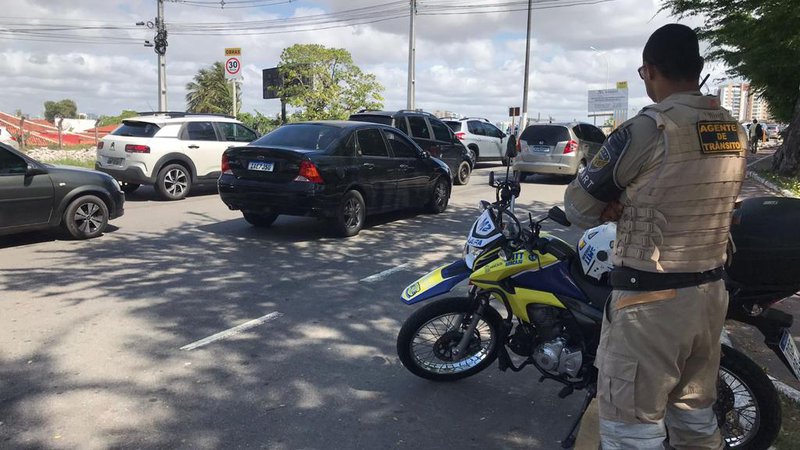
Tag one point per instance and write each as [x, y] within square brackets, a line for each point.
[210, 92]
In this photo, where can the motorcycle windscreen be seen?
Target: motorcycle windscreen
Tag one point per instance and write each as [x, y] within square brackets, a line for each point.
[437, 282]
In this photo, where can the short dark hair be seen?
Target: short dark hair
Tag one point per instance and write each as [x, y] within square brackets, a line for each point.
[675, 52]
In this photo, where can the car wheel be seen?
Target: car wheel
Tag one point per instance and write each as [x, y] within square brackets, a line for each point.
[350, 215]
[475, 152]
[260, 220]
[129, 187]
[519, 176]
[463, 172]
[440, 196]
[173, 182]
[86, 217]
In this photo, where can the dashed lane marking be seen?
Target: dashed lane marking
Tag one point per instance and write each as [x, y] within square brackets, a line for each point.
[231, 331]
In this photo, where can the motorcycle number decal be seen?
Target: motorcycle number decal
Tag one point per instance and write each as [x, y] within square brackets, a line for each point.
[412, 290]
[516, 258]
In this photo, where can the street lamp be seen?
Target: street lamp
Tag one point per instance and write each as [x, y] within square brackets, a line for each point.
[606, 58]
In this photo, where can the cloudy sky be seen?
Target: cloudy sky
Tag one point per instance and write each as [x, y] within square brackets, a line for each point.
[472, 64]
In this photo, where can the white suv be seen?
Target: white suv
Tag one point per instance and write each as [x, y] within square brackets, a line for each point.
[485, 140]
[171, 151]
[8, 138]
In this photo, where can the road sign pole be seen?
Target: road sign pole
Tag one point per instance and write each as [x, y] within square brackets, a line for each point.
[234, 97]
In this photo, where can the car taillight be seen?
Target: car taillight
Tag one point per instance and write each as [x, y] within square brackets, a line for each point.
[571, 146]
[226, 165]
[309, 173]
[460, 135]
[100, 145]
[519, 145]
[131, 148]
[13, 139]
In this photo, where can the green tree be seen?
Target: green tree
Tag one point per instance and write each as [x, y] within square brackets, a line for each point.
[259, 122]
[760, 41]
[324, 83]
[210, 92]
[113, 120]
[65, 108]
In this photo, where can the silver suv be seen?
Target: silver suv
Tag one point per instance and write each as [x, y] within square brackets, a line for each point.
[485, 140]
[170, 151]
[557, 148]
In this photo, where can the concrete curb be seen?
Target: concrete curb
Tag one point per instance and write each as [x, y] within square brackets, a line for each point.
[769, 185]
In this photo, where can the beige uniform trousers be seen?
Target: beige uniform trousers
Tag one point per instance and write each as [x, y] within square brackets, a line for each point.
[658, 360]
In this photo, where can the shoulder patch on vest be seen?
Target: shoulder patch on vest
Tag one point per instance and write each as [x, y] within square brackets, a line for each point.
[598, 177]
[719, 137]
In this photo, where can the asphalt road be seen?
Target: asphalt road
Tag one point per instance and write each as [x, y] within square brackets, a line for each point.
[91, 335]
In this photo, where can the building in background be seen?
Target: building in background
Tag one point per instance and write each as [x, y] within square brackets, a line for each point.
[442, 114]
[739, 99]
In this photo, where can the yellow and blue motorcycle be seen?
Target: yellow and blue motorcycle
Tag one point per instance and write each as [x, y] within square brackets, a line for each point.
[553, 313]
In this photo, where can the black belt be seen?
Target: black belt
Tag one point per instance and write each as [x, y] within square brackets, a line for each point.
[636, 280]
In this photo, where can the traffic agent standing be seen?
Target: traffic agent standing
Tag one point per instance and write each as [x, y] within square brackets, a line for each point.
[670, 177]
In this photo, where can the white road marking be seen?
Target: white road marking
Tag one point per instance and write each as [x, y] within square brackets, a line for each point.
[759, 160]
[381, 275]
[232, 331]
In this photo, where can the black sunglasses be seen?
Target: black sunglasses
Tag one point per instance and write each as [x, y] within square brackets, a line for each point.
[640, 70]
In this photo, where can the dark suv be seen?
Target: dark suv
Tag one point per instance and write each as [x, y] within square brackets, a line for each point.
[428, 132]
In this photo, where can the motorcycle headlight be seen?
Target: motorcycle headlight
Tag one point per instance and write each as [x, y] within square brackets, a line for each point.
[470, 254]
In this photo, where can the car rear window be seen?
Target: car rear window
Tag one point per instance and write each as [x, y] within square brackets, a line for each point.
[454, 125]
[303, 136]
[372, 118]
[548, 134]
[136, 129]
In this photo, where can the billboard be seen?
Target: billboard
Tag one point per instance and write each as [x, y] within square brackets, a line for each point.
[603, 100]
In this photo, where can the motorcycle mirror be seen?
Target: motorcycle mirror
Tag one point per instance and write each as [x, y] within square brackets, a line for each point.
[511, 148]
[491, 179]
[558, 216]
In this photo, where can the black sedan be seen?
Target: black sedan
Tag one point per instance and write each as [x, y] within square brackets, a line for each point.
[337, 170]
[35, 196]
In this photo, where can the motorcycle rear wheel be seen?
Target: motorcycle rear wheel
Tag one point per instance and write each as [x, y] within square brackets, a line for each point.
[748, 409]
[428, 337]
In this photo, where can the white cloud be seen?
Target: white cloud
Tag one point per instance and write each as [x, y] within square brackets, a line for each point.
[470, 64]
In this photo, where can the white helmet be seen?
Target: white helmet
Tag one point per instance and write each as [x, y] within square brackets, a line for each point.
[595, 248]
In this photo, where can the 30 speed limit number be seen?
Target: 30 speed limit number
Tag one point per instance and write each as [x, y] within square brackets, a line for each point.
[232, 66]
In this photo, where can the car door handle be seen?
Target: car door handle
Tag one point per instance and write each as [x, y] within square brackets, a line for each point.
[369, 166]
[194, 146]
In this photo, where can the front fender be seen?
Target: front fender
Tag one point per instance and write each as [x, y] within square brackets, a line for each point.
[437, 282]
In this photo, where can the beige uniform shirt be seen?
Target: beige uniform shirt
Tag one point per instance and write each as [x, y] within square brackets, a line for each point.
[627, 152]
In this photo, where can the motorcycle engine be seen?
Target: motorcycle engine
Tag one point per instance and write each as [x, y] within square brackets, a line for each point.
[548, 342]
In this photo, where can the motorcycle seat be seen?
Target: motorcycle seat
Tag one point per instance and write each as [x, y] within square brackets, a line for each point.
[596, 292]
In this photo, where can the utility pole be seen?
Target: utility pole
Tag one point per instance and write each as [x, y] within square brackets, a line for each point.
[161, 50]
[523, 121]
[234, 97]
[159, 44]
[411, 103]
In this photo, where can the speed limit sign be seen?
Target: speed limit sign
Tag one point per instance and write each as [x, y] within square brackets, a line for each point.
[233, 64]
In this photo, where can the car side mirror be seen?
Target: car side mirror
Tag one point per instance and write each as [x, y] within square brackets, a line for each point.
[558, 216]
[32, 170]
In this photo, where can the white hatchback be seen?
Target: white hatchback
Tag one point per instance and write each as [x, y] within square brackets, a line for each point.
[8, 138]
[171, 151]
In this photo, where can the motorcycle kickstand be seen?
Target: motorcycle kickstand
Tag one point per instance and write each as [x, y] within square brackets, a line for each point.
[569, 441]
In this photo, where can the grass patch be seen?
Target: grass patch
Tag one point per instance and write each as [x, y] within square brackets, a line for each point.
[788, 183]
[70, 147]
[789, 436]
[88, 164]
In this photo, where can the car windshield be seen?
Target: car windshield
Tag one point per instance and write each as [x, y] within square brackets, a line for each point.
[136, 129]
[302, 136]
[546, 134]
[454, 125]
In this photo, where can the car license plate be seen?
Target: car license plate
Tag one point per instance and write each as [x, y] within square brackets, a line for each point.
[114, 161]
[541, 149]
[261, 166]
[789, 350]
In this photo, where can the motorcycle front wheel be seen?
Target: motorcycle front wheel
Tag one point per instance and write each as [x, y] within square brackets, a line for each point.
[428, 339]
[748, 409]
